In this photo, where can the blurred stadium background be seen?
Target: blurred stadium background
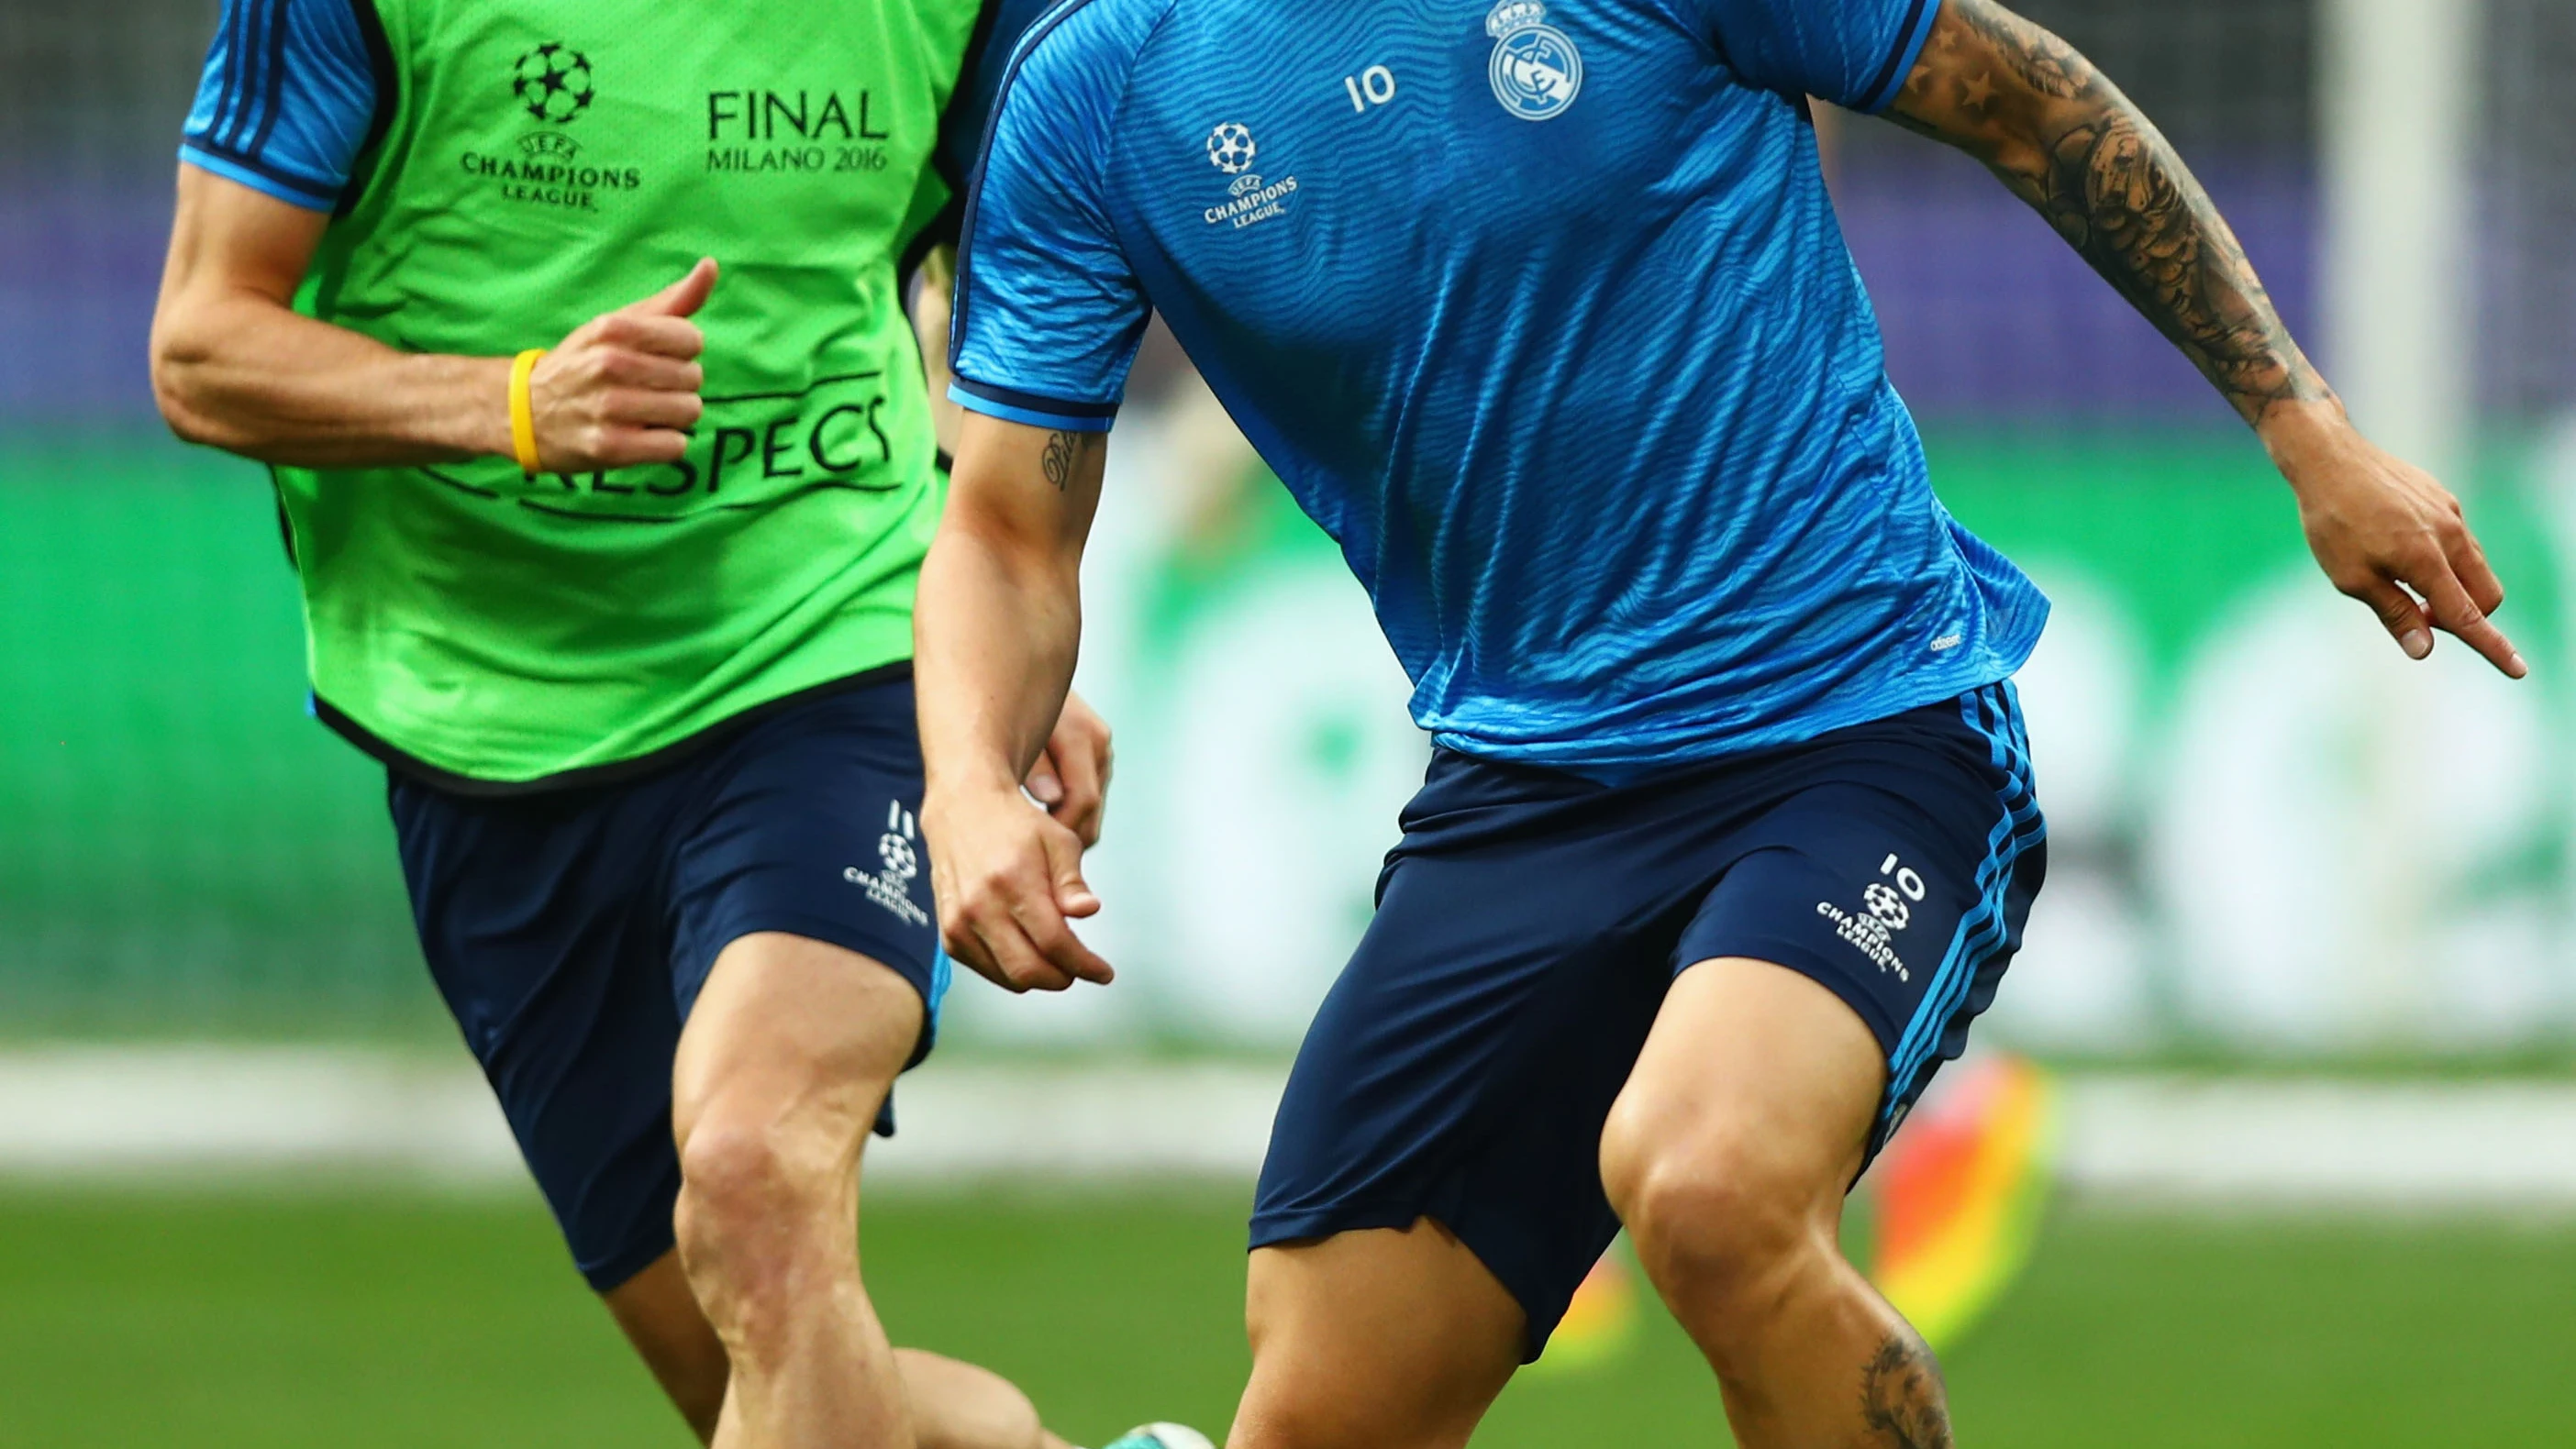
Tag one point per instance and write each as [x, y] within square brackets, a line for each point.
[2305, 975]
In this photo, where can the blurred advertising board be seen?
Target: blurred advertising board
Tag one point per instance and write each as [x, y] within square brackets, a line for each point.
[2271, 835]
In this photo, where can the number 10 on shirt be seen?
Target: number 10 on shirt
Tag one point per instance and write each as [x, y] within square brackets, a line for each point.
[1374, 86]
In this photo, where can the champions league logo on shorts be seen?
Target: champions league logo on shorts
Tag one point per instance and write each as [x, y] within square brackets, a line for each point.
[1536, 70]
[899, 862]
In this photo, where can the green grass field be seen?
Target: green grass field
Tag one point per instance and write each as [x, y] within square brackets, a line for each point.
[390, 1320]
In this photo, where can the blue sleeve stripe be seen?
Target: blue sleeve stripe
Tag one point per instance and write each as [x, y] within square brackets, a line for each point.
[262, 177]
[247, 24]
[1067, 422]
[272, 87]
[1917, 33]
[236, 13]
[1032, 401]
[252, 72]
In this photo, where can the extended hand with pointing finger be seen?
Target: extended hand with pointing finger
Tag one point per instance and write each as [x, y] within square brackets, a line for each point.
[622, 388]
[2388, 535]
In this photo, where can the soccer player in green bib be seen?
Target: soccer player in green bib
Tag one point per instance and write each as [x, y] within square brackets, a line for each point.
[629, 618]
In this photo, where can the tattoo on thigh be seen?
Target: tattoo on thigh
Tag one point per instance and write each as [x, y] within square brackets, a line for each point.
[1901, 1398]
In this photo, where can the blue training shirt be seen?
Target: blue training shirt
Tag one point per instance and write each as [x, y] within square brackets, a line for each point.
[1542, 311]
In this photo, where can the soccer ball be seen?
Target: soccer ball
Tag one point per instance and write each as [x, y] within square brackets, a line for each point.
[1230, 146]
[1162, 1436]
[553, 82]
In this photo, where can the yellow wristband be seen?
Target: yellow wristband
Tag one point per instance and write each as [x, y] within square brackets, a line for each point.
[523, 413]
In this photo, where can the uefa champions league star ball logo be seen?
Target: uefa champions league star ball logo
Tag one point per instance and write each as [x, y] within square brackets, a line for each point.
[1536, 70]
[897, 855]
[1231, 148]
[553, 82]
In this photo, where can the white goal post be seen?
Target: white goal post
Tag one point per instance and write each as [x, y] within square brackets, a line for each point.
[2399, 112]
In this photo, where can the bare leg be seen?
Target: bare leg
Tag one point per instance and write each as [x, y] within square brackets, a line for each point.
[960, 1406]
[1728, 1155]
[789, 1053]
[954, 1405]
[660, 1316]
[1374, 1340]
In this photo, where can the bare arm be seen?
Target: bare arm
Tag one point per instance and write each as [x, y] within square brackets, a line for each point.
[2065, 140]
[236, 367]
[932, 306]
[995, 634]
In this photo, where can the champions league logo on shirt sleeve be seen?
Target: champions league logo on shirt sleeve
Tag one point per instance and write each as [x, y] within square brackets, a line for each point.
[1536, 70]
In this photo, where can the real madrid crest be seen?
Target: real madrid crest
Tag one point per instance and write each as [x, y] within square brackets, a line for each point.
[1536, 70]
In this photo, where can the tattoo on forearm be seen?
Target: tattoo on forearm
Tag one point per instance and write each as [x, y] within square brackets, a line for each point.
[1058, 461]
[1901, 1398]
[2069, 143]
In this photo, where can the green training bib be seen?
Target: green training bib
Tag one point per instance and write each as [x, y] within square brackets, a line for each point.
[541, 162]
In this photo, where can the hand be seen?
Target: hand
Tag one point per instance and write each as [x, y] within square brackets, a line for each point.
[622, 389]
[1072, 778]
[1008, 876]
[2388, 535]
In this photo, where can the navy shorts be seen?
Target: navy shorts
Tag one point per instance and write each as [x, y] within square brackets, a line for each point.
[571, 930]
[1530, 923]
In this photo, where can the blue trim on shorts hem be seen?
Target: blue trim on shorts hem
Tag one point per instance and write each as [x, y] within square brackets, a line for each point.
[1982, 930]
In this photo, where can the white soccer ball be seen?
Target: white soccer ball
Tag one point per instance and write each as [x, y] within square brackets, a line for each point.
[1162, 1436]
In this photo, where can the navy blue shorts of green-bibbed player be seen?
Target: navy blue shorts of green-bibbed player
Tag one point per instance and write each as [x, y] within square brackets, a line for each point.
[571, 930]
[1530, 922]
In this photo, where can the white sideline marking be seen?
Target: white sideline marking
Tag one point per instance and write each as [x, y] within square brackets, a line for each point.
[214, 1112]
[2403, 1146]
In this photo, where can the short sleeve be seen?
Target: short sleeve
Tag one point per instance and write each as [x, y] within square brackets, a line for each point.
[1048, 312]
[288, 99]
[1854, 53]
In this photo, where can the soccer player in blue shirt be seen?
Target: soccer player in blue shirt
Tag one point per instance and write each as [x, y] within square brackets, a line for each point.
[1540, 309]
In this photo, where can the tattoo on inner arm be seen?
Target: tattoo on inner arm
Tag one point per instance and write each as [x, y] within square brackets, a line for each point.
[2069, 143]
[1062, 452]
[1901, 1398]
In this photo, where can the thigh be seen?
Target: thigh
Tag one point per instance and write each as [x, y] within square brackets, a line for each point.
[1896, 878]
[807, 826]
[794, 1045]
[1462, 1065]
[536, 918]
[1379, 1339]
[1759, 1073]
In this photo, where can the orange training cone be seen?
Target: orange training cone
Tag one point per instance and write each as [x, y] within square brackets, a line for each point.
[1959, 1195]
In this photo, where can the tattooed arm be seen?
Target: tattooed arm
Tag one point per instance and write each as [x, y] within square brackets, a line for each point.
[994, 636]
[2069, 143]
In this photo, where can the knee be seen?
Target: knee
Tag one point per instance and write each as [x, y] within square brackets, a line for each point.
[754, 1194]
[1719, 1223]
